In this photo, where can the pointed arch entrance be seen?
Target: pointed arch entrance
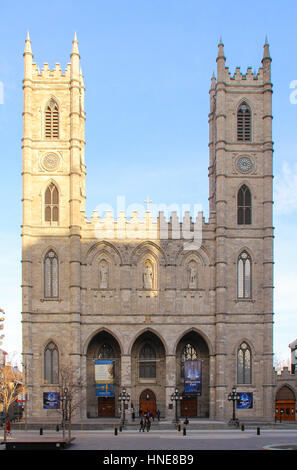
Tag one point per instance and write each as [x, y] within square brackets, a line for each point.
[192, 374]
[148, 377]
[103, 357]
[285, 404]
[147, 402]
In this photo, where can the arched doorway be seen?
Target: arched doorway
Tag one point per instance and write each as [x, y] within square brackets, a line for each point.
[285, 404]
[148, 367]
[192, 374]
[103, 362]
[147, 402]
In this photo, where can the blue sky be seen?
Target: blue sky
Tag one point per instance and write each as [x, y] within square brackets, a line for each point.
[147, 66]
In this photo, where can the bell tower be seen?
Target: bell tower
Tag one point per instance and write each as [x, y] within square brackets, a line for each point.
[53, 148]
[240, 202]
[53, 142]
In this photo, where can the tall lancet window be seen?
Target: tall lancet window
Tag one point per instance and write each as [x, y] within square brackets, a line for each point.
[51, 275]
[52, 120]
[244, 206]
[244, 364]
[147, 362]
[51, 204]
[244, 123]
[51, 363]
[244, 276]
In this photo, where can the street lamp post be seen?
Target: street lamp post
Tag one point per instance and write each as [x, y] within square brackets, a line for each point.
[234, 396]
[176, 396]
[124, 397]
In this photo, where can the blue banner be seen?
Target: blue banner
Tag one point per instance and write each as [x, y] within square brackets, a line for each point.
[245, 402]
[104, 378]
[104, 390]
[193, 377]
[51, 401]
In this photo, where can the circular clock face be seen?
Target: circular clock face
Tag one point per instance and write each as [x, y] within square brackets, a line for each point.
[244, 164]
[50, 161]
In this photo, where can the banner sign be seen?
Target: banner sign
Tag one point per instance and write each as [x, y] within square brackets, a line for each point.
[51, 400]
[104, 378]
[193, 377]
[245, 402]
[104, 390]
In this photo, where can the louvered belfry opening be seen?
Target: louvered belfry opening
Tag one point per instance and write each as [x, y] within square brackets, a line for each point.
[244, 133]
[51, 201]
[244, 206]
[52, 120]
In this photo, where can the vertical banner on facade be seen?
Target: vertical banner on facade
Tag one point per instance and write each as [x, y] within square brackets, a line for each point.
[51, 400]
[245, 402]
[104, 378]
[193, 377]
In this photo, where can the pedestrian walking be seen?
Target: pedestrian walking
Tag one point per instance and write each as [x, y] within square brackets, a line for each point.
[141, 425]
[133, 412]
[158, 415]
[148, 423]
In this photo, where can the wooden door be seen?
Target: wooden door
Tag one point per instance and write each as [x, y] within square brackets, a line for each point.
[147, 402]
[285, 410]
[106, 407]
[285, 404]
[188, 407]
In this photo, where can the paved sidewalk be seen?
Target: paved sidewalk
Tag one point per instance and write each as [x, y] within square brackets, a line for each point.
[224, 439]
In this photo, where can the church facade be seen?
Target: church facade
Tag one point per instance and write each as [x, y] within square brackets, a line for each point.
[143, 300]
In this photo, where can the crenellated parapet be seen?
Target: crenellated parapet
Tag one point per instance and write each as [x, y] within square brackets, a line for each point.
[48, 73]
[147, 227]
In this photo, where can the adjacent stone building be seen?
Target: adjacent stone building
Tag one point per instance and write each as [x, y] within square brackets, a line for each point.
[148, 296]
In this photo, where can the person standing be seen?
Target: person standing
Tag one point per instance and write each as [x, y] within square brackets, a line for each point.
[133, 412]
[141, 425]
[158, 414]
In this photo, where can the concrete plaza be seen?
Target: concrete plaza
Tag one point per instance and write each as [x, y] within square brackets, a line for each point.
[199, 436]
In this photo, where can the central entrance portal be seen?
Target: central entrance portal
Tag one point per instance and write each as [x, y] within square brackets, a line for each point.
[147, 402]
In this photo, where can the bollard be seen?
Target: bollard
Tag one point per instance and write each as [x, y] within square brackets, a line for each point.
[120, 428]
[184, 431]
[258, 431]
[57, 428]
[40, 431]
[115, 431]
[178, 427]
[242, 427]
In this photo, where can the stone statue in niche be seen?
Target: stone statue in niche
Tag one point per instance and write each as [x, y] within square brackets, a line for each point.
[192, 276]
[148, 275]
[103, 275]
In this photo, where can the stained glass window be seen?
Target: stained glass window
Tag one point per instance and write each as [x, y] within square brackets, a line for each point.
[244, 364]
[51, 363]
[189, 353]
[244, 290]
[147, 362]
[244, 206]
[51, 204]
[51, 275]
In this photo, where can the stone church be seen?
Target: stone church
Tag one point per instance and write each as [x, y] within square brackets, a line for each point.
[130, 303]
